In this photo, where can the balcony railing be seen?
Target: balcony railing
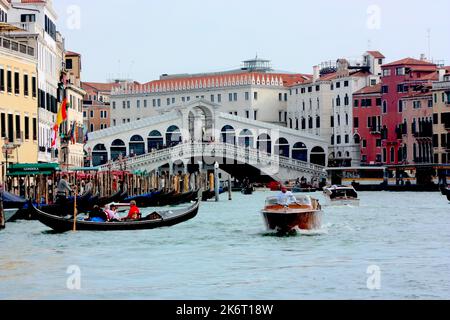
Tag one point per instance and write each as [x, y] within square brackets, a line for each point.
[15, 46]
[29, 27]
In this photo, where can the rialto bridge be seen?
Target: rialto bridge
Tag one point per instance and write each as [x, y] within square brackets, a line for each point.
[198, 133]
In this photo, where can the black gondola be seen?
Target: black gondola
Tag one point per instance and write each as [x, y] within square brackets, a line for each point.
[154, 220]
[448, 197]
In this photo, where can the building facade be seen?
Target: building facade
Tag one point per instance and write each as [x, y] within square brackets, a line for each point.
[367, 124]
[37, 19]
[323, 106]
[253, 92]
[96, 104]
[18, 103]
[441, 119]
[73, 128]
[400, 79]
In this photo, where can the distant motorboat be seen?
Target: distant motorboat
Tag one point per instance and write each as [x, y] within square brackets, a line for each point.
[305, 214]
[341, 196]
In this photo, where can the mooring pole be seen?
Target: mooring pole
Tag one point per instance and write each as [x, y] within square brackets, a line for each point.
[229, 188]
[2, 212]
[216, 181]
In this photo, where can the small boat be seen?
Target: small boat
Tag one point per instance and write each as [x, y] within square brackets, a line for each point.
[207, 195]
[341, 196]
[248, 190]
[154, 220]
[305, 214]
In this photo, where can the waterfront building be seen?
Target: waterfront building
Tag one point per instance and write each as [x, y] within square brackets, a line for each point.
[18, 99]
[322, 106]
[367, 124]
[441, 118]
[96, 104]
[255, 92]
[37, 19]
[73, 154]
[401, 79]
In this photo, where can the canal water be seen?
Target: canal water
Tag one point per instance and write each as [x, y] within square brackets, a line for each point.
[402, 239]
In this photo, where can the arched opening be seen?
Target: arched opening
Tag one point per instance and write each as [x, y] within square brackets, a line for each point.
[357, 139]
[246, 139]
[300, 152]
[282, 148]
[155, 140]
[99, 155]
[228, 135]
[137, 146]
[200, 124]
[118, 148]
[318, 156]
[264, 143]
[173, 136]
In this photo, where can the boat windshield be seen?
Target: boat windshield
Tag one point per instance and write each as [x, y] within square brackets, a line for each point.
[304, 200]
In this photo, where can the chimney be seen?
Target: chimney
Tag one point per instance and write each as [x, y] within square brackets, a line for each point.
[316, 73]
[423, 57]
[441, 73]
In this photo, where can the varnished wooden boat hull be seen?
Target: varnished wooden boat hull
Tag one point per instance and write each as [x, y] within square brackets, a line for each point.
[287, 222]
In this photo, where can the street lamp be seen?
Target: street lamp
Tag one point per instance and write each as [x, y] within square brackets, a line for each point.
[8, 149]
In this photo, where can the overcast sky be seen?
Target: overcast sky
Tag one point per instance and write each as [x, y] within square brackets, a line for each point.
[142, 39]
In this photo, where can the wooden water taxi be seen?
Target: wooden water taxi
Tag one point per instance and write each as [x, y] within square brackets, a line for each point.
[341, 196]
[305, 214]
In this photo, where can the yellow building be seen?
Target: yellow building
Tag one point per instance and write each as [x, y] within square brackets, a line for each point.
[18, 102]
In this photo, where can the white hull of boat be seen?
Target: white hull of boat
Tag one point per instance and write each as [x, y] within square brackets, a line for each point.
[343, 202]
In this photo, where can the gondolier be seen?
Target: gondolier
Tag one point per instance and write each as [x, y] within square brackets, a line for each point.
[62, 189]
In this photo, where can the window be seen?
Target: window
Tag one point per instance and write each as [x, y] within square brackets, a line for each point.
[285, 97]
[34, 129]
[114, 122]
[303, 123]
[247, 96]
[114, 105]
[173, 99]
[356, 122]
[356, 103]
[247, 114]
[417, 104]
[280, 97]
[168, 101]
[338, 84]
[219, 98]
[399, 88]
[212, 98]
[384, 89]
[50, 27]
[124, 104]
[138, 104]
[400, 106]
[384, 107]
[317, 88]
[159, 102]
[346, 119]
[92, 127]
[309, 89]
[346, 100]
[400, 71]
[18, 130]
[338, 101]
[235, 97]
[332, 122]
[378, 143]
[3, 125]
[364, 143]
[430, 103]
[255, 114]
[230, 97]
[145, 103]
[255, 95]
[332, 140]
[9, 81]
[92, 113]
[338, 139]
[345, 83]
[128, 104]
[84, 114]
[386, 72]
[2, 80]
[317, 122]
[183, 99]
[280, 116]
[347, 138]
[392, 155]
[69, 64]
[25, 85]
[378, 102]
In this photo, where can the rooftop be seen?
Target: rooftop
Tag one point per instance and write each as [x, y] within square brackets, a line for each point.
[376, 54]
[370, 90]
[410, 62]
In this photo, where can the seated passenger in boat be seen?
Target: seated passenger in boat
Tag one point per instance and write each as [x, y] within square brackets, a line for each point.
[285, 197]
[97, 215]
[111, 212]
[134, 213]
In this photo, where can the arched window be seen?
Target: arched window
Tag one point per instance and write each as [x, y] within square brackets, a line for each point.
[392, 155]
[99, 155]
[228, 135]
[282, 147]
[264, 143]
[246, 138]
[300, 152]
[357, 139]
[338, 101]
[173, 136]
[318, 156]
[118, 148]
[155, 140]
[318, 122]
[137, 145]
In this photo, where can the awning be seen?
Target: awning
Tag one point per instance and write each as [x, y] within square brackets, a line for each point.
[29, 173]
[6, 27]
